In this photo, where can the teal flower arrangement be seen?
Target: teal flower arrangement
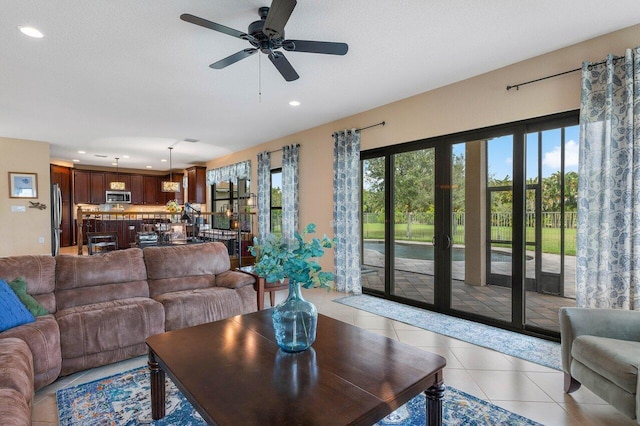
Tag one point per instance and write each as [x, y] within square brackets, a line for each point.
[276, 260]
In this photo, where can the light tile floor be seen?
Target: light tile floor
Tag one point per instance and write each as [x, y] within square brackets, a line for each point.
[523, 387]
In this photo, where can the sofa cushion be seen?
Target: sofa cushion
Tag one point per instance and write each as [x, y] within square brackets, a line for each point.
[14, 409]
[43, 339]
[12, 311]
[39, 273]
[16, 367]
[85, 280]
[616, 360]
[19, 287]
[186, 267]
[192, 307]
[108, 326]
[16, 382]
[234, 279]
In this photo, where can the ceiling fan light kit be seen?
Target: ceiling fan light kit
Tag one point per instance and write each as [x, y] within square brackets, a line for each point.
[267, 36]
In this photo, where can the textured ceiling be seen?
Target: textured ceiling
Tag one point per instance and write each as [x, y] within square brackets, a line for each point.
[116, 77]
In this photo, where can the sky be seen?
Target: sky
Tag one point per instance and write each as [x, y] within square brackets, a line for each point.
[500, 153]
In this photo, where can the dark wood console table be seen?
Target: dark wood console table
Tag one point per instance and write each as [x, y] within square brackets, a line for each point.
[233, 372]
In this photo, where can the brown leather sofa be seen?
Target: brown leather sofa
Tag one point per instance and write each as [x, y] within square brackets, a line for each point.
[197, 286]
[102, 308]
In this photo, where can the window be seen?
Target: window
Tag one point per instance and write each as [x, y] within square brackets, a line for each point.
[276, 201]
[224, 196]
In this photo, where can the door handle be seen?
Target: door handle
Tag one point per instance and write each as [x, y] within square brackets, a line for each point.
[448, 237]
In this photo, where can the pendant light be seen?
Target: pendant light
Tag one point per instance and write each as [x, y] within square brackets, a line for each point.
[117, 185]
[170, 185]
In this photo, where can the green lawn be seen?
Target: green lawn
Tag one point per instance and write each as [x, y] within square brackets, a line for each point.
[424, 233]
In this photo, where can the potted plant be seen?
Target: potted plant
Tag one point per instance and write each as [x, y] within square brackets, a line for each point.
[295, 319]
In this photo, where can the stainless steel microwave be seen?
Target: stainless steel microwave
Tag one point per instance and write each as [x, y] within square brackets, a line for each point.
[118, 197]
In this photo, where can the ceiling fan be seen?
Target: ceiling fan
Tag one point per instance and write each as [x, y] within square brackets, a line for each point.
[267, 36]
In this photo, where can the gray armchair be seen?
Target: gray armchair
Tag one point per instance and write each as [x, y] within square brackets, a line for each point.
[601, 350]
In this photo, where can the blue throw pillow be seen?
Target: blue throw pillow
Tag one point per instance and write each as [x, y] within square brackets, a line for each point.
[12, 312]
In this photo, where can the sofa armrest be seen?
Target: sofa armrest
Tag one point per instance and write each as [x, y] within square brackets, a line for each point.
[234, 279]
[612, 323]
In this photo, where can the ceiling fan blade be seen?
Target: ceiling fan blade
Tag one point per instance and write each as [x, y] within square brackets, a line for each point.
[213, 26]
[326, 47]
[233, 58]
[279, 14]
[283, 65]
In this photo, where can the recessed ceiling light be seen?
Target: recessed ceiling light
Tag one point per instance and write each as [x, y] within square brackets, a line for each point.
[76, 160]
[31, 32]
[114, 164]
[294, 103]
[125, 156]
[149, 167]
[82, 152]
[163, 161]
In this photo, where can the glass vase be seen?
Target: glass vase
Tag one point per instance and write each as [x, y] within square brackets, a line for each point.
[295, 321]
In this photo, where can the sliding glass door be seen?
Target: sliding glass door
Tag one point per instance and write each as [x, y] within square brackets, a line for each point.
[413, 224]
[478, 224]
[552, 185]
[374, 230]
[398, 223]
[481, 226]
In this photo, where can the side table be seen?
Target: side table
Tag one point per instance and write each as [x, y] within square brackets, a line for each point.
[261, 286]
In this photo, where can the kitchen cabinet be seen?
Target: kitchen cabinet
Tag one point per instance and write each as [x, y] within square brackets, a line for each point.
[151, 189]
[137, 189]
[97, 188]
[81, 187]
[88, 187]
[197, 190]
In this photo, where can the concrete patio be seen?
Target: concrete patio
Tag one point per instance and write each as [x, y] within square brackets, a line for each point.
[414, 280]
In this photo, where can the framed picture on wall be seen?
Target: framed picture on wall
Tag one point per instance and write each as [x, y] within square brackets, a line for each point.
[23, 185]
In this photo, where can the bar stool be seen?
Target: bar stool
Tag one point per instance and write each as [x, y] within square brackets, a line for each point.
[101, 242]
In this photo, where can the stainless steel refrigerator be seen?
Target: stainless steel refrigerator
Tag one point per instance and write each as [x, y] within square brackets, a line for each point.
[56, 218]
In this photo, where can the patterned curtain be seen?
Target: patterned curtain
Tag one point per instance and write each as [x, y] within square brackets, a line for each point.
[230, 173]
[608, 236]
[346, 210]
[290, 157]
[264, 194]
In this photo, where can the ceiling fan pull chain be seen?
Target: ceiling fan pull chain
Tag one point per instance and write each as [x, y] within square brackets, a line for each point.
[259, 79]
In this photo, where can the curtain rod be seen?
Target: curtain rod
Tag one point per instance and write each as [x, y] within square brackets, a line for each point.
[278, 150]
[382, 123]
[517, 86]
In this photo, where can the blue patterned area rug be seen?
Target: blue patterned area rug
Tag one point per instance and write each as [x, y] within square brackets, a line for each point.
[529, 348]
[124, 399]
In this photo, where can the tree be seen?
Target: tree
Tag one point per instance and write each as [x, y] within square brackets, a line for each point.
[276, 196]
[373, 185]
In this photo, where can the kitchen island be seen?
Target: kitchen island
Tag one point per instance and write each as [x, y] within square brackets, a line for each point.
[234, 230]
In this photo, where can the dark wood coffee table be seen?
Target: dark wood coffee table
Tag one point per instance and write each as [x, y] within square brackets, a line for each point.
[233, 372]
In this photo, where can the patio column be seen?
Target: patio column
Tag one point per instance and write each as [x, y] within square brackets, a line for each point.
[475, 220]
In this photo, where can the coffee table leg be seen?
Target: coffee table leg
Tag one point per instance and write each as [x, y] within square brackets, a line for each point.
[157, 388]
[434, 404]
